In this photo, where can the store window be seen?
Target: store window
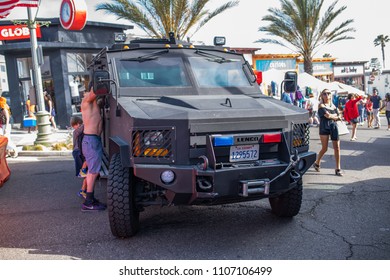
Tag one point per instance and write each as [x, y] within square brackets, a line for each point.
[78, 62]
[25, 74]
[78, 76]
[77, 85]
[25, 67]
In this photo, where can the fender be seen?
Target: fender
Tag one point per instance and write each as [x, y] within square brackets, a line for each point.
[124, 150]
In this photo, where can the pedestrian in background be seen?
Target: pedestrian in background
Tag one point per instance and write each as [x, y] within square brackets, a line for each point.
[50, 108]
[370, 114]
[376, 105]
[312, 107]
[30, 112]
[80, 164]
[286, 97]
[5, 127]
[386, 105]
[361, 110]
[328, 114]
[351, 113]
[299, 99]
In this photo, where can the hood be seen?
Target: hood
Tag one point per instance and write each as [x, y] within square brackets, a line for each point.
[216, 109]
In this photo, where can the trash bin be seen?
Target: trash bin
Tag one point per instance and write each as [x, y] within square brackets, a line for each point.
[4, 169]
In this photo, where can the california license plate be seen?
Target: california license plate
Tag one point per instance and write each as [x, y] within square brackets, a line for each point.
[244, 153]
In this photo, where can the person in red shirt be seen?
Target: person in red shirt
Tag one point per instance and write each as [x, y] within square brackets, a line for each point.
[351, 113]
[370, 114]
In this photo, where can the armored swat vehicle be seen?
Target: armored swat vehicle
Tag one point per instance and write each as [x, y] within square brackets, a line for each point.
[188, 125]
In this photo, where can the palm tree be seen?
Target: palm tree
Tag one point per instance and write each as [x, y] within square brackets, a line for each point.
[299, 23]
[381, 40]
[160, 17]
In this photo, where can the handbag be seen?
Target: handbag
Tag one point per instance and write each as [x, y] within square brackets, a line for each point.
[342, 128]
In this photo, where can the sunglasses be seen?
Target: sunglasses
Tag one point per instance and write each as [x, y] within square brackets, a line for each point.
[326, 93]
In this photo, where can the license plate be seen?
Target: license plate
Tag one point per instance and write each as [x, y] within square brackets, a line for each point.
[244, 153]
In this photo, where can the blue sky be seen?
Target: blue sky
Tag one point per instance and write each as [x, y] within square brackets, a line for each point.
[240, 26]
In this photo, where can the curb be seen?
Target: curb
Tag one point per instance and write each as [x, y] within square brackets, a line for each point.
[45, 153]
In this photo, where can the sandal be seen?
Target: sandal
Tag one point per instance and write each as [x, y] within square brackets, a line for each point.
[316, 167]
[338, 172]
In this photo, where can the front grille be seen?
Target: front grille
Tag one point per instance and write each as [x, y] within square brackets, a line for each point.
[301, 135]
[150, 143]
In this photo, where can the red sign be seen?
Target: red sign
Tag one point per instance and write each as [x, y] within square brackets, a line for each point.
[73, 14]
[16, 32]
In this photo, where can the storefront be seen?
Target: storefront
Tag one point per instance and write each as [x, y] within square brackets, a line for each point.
[64, 60]
[322, 68]
[283, 62]
[350, 73]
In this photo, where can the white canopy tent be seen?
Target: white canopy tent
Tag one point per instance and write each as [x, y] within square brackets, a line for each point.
[307, 80]
[347, 88]
[272, 75]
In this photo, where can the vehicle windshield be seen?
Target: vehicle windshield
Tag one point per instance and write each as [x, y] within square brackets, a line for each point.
[218, 73]
[156, 72]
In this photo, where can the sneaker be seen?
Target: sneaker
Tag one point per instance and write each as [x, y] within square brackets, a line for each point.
[13, 153]
[82, 194]
[83, 173]
[92, 207]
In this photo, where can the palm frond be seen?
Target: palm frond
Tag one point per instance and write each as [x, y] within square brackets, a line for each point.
[159, 17]
[299, 23]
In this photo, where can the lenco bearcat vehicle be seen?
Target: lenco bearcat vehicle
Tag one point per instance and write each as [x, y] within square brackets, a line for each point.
[188, 125]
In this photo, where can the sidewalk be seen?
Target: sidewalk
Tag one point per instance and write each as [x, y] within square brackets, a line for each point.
[22, 138]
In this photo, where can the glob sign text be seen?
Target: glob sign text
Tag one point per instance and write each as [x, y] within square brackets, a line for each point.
[16, 32]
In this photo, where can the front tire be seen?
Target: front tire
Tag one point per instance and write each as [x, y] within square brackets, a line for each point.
[289, 203]
[122, 209]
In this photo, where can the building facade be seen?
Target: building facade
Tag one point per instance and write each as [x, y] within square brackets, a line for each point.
[379, 80]
[351, 73]
[322, 68]
[64, 59]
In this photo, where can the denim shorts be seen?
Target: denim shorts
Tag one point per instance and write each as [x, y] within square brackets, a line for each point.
[331, 130]
[93, 152]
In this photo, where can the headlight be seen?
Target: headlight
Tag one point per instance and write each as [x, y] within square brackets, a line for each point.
[152, 143]
[167, 177]
[153, 138]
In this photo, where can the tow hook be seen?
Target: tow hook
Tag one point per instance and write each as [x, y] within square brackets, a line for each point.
[294, 159]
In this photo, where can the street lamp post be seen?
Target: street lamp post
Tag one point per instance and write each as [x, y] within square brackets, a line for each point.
[43, 123]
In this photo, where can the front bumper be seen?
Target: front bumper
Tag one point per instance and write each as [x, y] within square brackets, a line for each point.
[242, 182]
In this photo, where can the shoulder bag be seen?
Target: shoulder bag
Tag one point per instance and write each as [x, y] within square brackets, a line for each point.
[342, 128]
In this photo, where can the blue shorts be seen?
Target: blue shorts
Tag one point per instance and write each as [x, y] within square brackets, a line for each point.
[93, 152]
[78, 160]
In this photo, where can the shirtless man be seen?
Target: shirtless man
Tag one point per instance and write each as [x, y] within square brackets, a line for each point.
[92, 148]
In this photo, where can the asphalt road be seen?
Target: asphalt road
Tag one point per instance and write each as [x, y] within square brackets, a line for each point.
[341, 218]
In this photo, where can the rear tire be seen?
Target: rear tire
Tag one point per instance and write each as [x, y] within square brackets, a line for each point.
[122, 209]
[289, 203]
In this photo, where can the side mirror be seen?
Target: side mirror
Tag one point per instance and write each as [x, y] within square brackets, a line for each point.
[290, 81]
[101, 82]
